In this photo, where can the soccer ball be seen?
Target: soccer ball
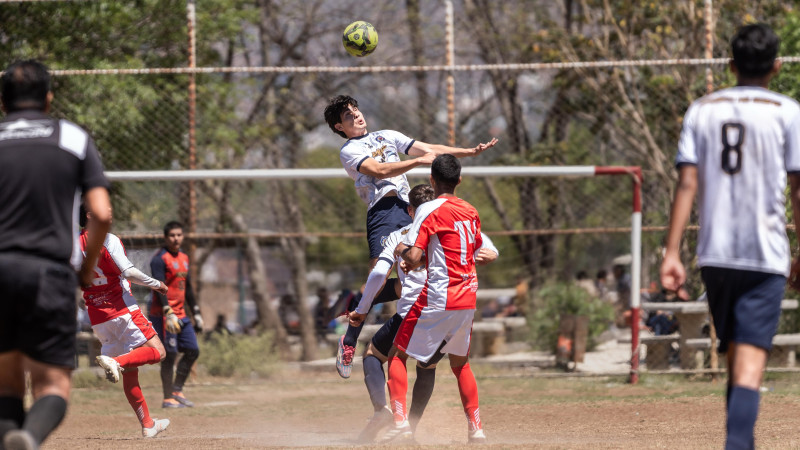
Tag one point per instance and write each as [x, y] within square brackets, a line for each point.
[360, 38]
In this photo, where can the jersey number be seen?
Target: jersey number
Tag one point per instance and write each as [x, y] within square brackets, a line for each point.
[466, 233]
[729, 149]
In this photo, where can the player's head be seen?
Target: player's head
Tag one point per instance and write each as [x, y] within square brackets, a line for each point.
[83, 215]
[26, 85]
[344, 117]
[755, 49]
[418, 195]
[445, 174]
[173, 236]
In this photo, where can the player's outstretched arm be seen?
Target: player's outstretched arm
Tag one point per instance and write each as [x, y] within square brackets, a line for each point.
[375, 281]
[97, 203]
[423, 148]
[794, 193]
[378, 170]
[673, 274]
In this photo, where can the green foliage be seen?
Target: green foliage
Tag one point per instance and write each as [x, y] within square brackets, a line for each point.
[553, 300]
[237, 355]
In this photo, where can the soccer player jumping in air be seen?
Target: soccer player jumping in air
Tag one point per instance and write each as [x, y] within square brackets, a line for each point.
[735, 150]
[168, 314]
[372, 159]
[128, 338]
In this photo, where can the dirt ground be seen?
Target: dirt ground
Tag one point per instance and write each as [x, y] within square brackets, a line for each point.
[318, 409]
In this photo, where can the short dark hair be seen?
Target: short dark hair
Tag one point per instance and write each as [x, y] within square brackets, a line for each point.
[754, 49]
[446, 171]
[420, 194]
[171, 225]
[333, 112]
[25, 86]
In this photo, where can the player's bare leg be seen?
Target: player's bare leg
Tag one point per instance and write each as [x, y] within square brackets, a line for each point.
[746, 368]
[468, 388]
[50, 385]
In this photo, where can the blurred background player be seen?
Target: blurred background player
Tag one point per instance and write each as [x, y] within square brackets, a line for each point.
[46, 165]
[373, 161]
[445, 236]
[128, 338]
[376, 352]
[168, 314]
[736, 147]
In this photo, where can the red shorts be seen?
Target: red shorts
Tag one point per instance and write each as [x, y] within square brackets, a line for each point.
[122, 334]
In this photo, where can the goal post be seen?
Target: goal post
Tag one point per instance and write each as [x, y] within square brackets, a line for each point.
[634, 172]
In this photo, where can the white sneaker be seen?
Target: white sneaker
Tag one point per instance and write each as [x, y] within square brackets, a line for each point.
[477, 437]
[159, 425]
[398, 433]
[380, 420]
[19, 440]
[111, 366]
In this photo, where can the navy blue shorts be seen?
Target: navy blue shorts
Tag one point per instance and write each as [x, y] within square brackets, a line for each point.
[745, 305]
[388, 215]
[174, 343]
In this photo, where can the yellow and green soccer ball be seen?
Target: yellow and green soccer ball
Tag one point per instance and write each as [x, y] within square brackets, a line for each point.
[360, 38]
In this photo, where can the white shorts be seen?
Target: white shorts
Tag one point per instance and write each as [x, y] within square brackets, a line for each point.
[423, 332]
[122, 334]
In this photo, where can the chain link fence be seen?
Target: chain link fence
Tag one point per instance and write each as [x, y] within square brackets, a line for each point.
[265, 72]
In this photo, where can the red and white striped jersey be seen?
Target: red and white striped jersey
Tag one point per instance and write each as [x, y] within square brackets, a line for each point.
[110, 294]
[448, 229]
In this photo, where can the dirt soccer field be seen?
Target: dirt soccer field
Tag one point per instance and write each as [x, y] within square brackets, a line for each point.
[318, 409]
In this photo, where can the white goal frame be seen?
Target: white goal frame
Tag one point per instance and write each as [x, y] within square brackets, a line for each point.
[634, 172]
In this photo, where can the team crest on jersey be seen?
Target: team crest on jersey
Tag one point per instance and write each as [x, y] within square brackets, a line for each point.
[175, 265]
[380, 138]
[383, 241]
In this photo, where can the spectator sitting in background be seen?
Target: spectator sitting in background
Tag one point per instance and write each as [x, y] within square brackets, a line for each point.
[582, 280]
[664, 322]
[288, 314]
[220, 328]
[491, 309]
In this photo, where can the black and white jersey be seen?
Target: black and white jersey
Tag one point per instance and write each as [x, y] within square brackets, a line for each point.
[45, 166]
[743, 140]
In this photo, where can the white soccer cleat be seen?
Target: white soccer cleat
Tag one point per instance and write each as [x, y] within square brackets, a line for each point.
[111, 366]
[380, 420]
[399, 433]
[159, 425]
[19, 440]
[477, 437]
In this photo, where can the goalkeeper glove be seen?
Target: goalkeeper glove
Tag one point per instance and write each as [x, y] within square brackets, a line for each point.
[198, 319]
[171, 321]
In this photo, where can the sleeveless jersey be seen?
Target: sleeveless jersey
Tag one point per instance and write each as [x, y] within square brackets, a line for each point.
[743, 140]
[173, 270]
[449, 230]
[110, 294]
[382, 146]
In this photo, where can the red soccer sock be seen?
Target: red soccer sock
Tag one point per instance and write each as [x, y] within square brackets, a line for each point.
[468, 389]
[398, 387]
[138, 357]
[130, 384]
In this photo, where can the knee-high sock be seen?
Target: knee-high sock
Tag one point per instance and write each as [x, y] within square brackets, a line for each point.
[167, 369]
[398, 387]
[130, 383]
[138, 357]
[44, 416]
[742, 414]
[423, 389]
[184, 368]
[375, 379]
[468, 389]
[12, 415]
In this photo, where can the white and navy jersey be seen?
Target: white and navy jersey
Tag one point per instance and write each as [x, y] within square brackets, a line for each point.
[411, 282]
[448, 229]
[385, 147]
[45, 165]
[743, 140]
